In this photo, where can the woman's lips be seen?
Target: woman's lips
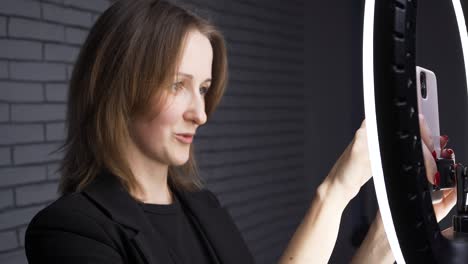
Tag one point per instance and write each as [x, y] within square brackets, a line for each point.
[185, 139]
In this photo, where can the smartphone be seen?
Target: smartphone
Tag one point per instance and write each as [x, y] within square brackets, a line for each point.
[428, 105]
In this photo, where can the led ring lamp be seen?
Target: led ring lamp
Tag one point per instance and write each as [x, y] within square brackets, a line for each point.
[394, 141]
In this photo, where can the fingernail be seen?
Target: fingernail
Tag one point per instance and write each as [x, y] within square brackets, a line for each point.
[451, 153]
[434, 154]
[445, 137]
[437, 179]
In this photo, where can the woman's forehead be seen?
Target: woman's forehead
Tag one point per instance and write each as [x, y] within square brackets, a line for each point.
[197, 57]
[190, 76]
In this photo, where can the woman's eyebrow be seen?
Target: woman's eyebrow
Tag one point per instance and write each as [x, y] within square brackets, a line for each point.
[191, 76]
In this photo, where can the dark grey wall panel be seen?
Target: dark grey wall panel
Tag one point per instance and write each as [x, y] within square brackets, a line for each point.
[334, 100]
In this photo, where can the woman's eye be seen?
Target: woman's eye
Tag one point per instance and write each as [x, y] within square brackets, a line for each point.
[177, 85]
[204, 90]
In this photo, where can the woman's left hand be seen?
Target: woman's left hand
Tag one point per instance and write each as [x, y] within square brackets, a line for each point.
[375, 247]
[443, 207]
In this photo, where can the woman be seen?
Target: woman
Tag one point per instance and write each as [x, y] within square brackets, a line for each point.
[149, 74]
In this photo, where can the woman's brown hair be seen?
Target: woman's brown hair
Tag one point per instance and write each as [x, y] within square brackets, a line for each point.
[130, 56]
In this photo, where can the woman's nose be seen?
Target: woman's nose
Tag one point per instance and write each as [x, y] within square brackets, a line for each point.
[196, 112]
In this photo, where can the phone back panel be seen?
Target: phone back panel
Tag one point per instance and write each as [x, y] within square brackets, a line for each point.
[429, 106]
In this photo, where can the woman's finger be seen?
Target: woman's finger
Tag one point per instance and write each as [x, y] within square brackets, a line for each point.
[448, 202]
[426, 133]
[429, 163]
[447, 154]
[447, 192]
[443, 141]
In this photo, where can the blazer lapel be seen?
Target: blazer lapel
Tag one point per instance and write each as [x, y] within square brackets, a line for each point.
[219, 228]
[228, 246]
[107, 192]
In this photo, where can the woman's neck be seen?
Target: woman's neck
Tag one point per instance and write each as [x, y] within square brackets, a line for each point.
[151, 177]
[154, 195]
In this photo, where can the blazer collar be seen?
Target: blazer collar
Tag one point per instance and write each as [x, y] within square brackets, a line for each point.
[227, 244]
[111, 196]
[220, 229]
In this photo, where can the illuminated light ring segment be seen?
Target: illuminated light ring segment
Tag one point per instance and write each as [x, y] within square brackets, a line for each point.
[372, 133]
[463, 34]
[371, 118]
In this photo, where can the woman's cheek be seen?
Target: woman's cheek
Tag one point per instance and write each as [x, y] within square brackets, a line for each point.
[174, 113]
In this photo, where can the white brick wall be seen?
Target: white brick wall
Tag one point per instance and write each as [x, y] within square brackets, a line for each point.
[251, 150]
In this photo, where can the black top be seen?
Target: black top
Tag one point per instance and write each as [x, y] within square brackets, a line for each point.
[103, 224]
[177, 229]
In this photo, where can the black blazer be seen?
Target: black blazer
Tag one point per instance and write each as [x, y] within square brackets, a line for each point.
[104, 224]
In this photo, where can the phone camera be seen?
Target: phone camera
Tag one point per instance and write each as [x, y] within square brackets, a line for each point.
[422, 79]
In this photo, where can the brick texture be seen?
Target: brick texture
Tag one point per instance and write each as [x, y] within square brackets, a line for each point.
[6, 199]
[34, 30]
[33, 194]
[38, 112]
[8, 240]
[20, 49]
[21, 92]
[5, 156]
[3, 26]
[4, 112]
[3, 69]
[37, 71]
[21, 133]
[56, 92]
[25, 8]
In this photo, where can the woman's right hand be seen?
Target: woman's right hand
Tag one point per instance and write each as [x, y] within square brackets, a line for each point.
[352, 169]
[316, 235]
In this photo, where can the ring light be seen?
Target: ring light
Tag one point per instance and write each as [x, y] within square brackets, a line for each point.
[394, 141]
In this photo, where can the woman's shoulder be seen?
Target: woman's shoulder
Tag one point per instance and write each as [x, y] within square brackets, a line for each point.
[67, 228]
[206, 196]
[69, 212]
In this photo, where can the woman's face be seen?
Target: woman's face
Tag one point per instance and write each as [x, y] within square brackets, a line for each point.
[183, 112]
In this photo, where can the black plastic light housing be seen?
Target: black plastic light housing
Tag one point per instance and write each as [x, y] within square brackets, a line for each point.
[390, 97]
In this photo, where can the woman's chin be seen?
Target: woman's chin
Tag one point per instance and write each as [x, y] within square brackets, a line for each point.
[180, 161]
